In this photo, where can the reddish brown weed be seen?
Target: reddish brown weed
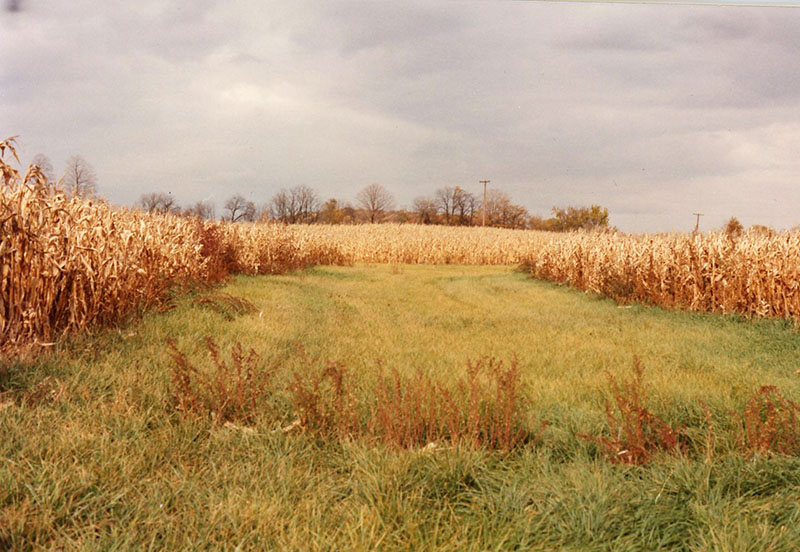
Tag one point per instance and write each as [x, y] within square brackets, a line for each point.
[636, 433]
[484, 409]
[769, 423]
[231, 392]
[324, 400]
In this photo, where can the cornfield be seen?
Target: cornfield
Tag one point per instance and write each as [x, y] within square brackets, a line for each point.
[69, 263]
[417, 244]
[752, 275]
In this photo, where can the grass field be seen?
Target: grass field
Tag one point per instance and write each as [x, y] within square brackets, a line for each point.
[94, 455]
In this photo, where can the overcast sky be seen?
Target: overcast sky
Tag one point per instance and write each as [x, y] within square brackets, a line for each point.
[655, 111]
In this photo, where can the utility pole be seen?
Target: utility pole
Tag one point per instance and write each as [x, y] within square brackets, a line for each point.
[483, 216]
[697, 224]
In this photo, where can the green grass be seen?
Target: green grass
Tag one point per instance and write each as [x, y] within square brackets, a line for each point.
[93, 455]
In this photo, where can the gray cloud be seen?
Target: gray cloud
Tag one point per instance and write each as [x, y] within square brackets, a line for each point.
[654, 111]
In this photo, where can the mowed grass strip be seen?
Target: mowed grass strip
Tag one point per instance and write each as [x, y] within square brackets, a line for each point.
[93, 454]
[437, 318]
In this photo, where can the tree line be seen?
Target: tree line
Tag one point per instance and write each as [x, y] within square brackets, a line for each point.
[451, 206]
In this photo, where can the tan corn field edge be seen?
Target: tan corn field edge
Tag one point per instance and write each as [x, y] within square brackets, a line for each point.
[755, 275]
[66, 264]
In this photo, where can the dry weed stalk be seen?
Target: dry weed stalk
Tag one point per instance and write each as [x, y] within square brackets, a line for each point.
[324, 400]
[484, 410]
[710, 436]
[636, 433]
[230, 393]
[769, 423]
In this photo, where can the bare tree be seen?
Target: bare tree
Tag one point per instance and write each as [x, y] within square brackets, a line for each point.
[444, 202]
[425, 209]
[240, 209]
[463, 204]
[282, 208]
[457, 205]
[80, 180]
[308, 203]
[376, 200]
[158, 202]
[201, 209]
[296, 205]
[45, 166]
